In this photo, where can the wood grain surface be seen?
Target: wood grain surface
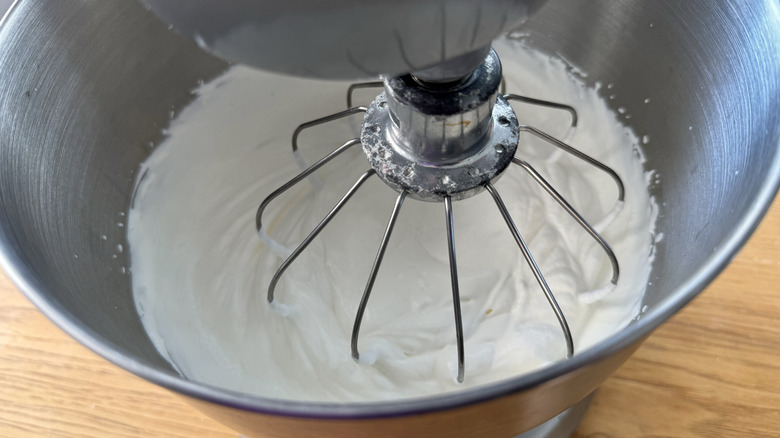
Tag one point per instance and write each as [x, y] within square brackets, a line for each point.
[713, 370]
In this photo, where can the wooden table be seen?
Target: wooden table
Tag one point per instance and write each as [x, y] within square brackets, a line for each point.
[713, 370]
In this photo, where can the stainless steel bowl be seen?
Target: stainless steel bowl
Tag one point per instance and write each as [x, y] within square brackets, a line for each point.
[88, 85]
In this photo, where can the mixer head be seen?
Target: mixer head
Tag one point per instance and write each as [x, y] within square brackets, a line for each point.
[439, 132]
[348, 39]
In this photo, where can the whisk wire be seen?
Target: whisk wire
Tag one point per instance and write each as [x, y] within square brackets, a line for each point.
[546, 103]
[374, 271]
[360, 85]
[322, 120]
[536, 271]
[323, 223]
[298, 178]
[455, 288]
[579, 154]
[573, 213]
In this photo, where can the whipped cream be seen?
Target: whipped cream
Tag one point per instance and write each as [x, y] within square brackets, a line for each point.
[200, 272]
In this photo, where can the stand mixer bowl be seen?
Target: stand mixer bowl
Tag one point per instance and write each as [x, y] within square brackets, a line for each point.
[88, 86]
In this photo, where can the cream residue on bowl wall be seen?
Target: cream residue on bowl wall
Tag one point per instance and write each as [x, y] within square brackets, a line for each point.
[200, 271]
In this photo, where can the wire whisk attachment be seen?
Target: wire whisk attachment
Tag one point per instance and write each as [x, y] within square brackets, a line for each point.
[437, 145]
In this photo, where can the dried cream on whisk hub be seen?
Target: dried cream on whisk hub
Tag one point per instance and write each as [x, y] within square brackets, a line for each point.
[200, 272]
